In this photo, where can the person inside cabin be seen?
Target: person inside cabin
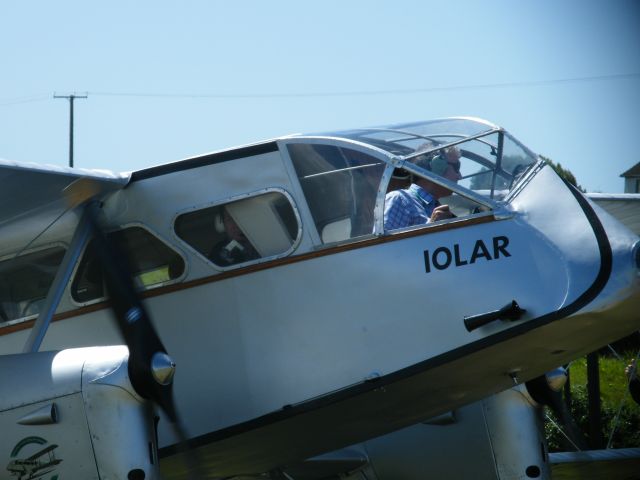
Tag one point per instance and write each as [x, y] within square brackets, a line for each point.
[419, 203]
[236, 247]
[400, 179]
[634, 381]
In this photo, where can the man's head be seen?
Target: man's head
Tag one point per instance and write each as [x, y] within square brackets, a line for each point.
[399, 179]
[445, 163]
[232, 228]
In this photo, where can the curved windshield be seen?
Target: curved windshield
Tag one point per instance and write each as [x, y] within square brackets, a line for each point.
[489, 164]
[484, 157]
[404, 139]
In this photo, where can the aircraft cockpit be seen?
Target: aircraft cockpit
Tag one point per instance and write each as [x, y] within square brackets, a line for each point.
[345, 176]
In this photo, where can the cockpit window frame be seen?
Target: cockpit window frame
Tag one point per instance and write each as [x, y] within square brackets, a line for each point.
[365, 148]
[463, 129]
[405, 129]
[392, 162]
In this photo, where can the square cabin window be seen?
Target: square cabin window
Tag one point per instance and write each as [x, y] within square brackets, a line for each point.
[241, 231]
[25, 281]
[151, 261]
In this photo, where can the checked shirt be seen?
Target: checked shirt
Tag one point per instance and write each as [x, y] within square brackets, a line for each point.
[405, 208]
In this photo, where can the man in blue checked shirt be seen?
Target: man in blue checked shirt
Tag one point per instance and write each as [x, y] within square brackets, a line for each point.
[419, 203]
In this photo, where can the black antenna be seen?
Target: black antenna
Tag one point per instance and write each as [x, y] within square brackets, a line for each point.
[71, 98]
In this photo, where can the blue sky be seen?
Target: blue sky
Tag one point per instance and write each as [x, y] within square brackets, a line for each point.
[167, 80]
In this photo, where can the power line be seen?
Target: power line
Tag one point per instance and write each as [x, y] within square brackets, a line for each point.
[399, 91]
[533, 83]
[20, 100]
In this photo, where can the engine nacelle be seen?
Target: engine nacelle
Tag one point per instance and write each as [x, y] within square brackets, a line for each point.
[74, 414]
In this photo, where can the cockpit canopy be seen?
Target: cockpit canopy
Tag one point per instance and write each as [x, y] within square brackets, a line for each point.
[346, 176]
[491, 160]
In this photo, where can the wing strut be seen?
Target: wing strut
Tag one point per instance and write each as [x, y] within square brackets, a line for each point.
[60, 281]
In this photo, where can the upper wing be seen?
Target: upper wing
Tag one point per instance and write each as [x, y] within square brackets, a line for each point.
[38, 454]
[31, 195]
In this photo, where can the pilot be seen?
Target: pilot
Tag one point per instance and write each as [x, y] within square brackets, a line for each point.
[236, 247]
[419, 204]
[400, 179]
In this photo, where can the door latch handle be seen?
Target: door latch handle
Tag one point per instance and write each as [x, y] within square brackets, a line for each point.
[511, 312]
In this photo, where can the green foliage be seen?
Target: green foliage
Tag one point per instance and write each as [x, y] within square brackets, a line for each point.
[614, 397]
[564, 173]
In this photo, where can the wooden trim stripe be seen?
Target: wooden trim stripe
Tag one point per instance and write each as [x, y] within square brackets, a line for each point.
[332, 250]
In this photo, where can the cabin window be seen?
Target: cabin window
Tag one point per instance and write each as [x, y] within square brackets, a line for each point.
[241, 231]
[152, 264]
[25, 281]
[340, 186]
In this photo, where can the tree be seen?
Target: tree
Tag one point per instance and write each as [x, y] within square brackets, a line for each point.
[564, 173]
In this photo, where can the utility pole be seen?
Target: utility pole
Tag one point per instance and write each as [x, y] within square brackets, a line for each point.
[71, 98]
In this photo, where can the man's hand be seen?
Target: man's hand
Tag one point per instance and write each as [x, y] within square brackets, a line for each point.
[441, 213]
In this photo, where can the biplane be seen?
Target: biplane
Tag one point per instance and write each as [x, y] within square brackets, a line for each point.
[34, 466]
[299, 323]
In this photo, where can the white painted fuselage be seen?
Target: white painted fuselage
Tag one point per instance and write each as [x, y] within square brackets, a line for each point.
[342, 341]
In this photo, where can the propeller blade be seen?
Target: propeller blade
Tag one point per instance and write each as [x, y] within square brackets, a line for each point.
[151, 369]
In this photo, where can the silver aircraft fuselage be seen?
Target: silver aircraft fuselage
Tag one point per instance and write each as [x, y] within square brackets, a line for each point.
[339, 330]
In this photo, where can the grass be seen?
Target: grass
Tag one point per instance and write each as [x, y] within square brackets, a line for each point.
[613, 381]
[615, 402]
